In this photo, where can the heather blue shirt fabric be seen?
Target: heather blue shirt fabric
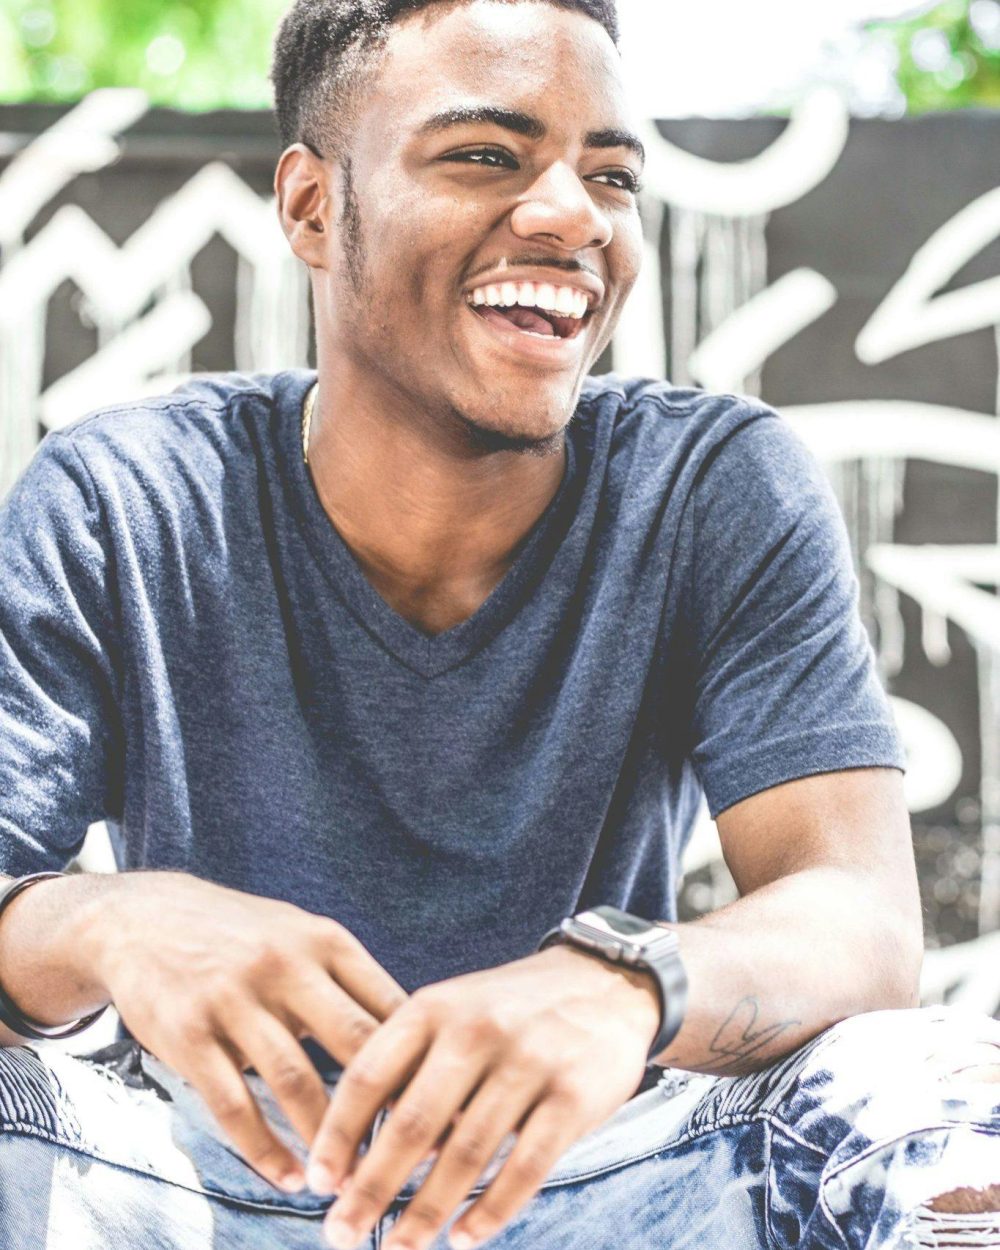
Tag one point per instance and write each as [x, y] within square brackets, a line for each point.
[188, 649]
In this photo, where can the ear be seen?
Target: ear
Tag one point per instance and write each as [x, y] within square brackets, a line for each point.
[301, 185]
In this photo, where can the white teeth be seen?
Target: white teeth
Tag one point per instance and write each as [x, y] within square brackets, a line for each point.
[564, 301]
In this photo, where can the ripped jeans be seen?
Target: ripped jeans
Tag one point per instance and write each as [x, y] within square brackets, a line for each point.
[844, 1144]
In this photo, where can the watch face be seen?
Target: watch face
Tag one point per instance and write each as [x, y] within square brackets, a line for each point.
[620, 926]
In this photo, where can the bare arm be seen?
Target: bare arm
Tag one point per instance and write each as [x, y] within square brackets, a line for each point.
[828, 924]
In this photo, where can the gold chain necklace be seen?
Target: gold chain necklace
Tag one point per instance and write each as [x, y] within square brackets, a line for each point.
[307, 416]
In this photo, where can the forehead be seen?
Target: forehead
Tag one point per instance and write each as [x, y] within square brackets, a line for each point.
[553, 63]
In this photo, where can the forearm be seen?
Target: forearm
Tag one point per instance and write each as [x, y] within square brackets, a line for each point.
[46, 939]
[778, 966]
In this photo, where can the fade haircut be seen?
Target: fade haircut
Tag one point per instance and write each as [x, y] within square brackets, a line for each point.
[325, 48]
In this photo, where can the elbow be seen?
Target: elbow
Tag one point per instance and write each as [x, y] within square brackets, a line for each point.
[898, 961]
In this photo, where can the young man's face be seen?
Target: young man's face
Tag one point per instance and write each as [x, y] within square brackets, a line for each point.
[490, 162]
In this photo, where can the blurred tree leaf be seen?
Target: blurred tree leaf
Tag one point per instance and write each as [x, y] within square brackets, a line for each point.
[197, 54]
[949, 56]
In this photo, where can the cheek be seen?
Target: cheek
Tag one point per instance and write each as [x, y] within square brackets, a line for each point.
[627, 255]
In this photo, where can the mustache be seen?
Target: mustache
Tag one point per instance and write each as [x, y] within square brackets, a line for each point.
[565, 263]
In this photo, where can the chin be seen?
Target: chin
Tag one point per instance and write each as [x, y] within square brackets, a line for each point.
[544, 437]
[511, 425]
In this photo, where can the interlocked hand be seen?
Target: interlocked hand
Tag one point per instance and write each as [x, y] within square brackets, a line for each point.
[546, 1048]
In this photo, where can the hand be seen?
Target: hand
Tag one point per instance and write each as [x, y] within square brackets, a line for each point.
[548, 1048]
[214, 981]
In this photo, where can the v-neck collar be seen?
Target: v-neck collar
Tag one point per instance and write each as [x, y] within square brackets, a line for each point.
[426, 654]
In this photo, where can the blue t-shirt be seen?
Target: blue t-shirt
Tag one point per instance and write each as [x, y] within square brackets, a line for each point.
[189, 650]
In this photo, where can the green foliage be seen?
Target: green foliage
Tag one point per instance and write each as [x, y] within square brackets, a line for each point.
[199, 54]
[949, 57]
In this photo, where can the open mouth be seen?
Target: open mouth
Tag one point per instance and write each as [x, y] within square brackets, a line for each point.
[536, 310]
[533, 321]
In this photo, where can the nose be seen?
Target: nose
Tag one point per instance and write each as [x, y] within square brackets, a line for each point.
[560, 208]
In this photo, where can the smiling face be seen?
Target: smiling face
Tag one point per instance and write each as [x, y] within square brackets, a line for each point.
[482, 231]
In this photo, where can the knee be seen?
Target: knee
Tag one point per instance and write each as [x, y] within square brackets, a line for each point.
[915, 1047]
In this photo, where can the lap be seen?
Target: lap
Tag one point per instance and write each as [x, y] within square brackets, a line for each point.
[124, 1146]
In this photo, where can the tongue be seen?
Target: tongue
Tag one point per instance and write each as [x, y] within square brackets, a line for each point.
[527, 319]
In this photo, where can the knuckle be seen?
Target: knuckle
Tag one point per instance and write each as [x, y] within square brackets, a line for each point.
[411, 1124]
[469, 1153]
[426, 1213]
[479, 1032]
[333, 1140]
[292, 1082]
[191, 1024]
[357, 1030]
[230, 1109]
[330, 933]
[361, 1077]
[423, 1002]
[266, 963]
[369, 1193]
[530, 1168]
[529, 1056]
[568, 1096]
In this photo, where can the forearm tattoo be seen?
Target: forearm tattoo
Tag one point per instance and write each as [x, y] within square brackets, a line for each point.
[739, 1045]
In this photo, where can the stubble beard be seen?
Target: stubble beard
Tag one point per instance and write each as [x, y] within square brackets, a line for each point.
[480, 438]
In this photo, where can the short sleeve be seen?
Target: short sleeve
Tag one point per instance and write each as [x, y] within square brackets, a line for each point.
[58, 685]
[784, 675]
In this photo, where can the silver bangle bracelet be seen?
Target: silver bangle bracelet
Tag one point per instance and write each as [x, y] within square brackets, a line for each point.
[10, 1014]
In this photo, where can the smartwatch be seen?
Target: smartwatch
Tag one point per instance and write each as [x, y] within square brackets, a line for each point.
[621, 938]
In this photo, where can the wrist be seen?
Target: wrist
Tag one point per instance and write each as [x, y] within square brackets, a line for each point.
[44, 970]
[632, 992]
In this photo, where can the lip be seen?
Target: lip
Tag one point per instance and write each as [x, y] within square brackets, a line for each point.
[554, 353]
[590, 285]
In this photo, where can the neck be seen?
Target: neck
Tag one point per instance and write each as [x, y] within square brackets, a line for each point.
[433, 524]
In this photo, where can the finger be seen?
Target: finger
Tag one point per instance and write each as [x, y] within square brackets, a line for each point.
[498, 1108]
[415, 1124]
[548, 1132]
[221, 1084]
[376, 1073]
[350, 964]
[329, 1014]
[286, 1068]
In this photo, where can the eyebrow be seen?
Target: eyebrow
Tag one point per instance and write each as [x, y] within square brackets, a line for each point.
[527, 126]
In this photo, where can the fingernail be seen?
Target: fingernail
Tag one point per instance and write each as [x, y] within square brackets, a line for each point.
[292, 1182]
[321, 1180]
[461, 1241]
[340, 1235]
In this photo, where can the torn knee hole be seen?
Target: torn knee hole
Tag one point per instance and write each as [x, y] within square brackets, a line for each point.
[969, 1201]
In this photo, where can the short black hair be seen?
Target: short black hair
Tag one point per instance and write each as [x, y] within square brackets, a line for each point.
[324, 46]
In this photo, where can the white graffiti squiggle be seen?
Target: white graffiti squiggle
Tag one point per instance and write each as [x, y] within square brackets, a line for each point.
[141, 349]
[725, 323]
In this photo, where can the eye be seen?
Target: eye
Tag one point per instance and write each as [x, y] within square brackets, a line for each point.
[490, 158]
[624, 179]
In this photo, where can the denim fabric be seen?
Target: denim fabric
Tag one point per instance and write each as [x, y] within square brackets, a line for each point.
[843, 1145]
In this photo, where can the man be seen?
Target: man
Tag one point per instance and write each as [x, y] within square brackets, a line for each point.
[381, 678]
